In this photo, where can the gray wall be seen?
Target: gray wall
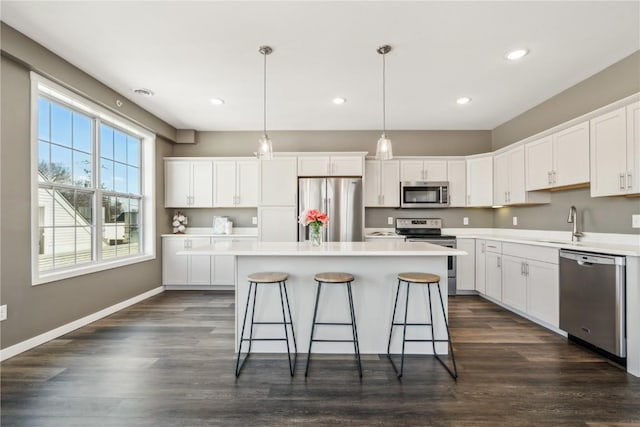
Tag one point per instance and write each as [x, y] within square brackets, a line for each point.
[451, 218]
[602, 214]
[611, 84]
[33, 310]
[405, 143]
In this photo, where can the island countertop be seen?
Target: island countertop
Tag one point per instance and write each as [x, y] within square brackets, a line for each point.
[342, 249]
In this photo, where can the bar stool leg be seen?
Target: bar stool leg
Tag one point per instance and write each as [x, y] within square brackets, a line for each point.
[354, 329]
[313, 326]
[244, 322]
[454, 374]
[404, 329]
[293, 334]
[286, 332]
[393, 319]
[253, 314]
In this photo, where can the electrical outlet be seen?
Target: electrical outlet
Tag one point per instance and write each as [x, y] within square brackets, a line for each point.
[390, 220]
[465, 220]
[3, 312]
[254, 220]
[635, 221]
[515, 220]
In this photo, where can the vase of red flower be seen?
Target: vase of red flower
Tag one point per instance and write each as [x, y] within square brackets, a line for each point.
[315, 220]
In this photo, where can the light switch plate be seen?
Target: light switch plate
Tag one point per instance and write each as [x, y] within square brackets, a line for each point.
[515, 220]
[390, 220]
[635, 221]
[254, 220]
[465, 220]
[3, 312]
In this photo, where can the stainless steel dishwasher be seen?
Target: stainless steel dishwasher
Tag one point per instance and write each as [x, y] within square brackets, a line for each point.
[592, 299]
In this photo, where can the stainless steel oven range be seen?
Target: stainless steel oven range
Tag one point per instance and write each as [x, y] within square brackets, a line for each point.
[429, 230]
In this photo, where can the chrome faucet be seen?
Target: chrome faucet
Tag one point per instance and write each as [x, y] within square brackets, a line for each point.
[573, 219]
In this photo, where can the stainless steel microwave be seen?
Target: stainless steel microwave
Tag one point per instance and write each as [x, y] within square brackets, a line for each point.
[424, 194]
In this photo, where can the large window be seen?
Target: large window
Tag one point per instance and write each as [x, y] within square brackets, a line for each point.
[93, 192]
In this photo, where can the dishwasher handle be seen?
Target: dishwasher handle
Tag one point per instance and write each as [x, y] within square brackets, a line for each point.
[587, 259]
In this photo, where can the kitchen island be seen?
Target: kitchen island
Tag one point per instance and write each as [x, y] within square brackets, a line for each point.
[375, 266]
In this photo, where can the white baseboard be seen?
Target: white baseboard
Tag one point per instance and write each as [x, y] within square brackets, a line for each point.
[23, 346]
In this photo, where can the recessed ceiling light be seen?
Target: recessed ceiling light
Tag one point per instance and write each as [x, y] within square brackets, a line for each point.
[464, 100]
[339, 101]
[217, 101]
[516, 54]
[142, 91]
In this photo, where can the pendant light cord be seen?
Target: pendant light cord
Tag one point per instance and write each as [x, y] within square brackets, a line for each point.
[384, 97]
[264, 83]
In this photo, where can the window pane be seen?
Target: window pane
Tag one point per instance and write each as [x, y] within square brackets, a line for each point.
[81, 169]
[44, 159]
[84, 208]
[134, 211]
[106, 142]
[60, 125]
[45, 207]
[64, 212]
[134, 240]
[120, 146]
[120, 178]
[81, 133]
[45, 248]
[106, 175]
[133, 180]
[133, 151]
[43, 119]
[64, 246]
[84, 250]
[60, 169]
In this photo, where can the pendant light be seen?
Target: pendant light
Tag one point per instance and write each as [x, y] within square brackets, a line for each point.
[384, 151]
[265, 149]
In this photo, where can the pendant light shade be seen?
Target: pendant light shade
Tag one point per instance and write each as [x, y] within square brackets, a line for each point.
[265, 149]
[384, 150]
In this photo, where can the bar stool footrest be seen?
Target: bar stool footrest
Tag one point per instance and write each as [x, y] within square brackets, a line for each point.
[315, 340]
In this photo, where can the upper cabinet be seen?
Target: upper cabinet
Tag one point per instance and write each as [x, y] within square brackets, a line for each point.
[480, 180]
[235, 183]
[278, 183]
[509, 180]
[330, 165]
[457, 177]
[615, 152]
[188, 183]
[382, 183]
[423, 170]
[558, 160]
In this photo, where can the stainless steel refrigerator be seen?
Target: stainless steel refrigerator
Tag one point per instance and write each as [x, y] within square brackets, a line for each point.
[341, 199]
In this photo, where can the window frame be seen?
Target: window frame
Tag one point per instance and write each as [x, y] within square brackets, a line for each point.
[41, 86]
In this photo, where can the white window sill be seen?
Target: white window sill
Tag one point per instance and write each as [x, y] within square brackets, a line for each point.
[91, 268]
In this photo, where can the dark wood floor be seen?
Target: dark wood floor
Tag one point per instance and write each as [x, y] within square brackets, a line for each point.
[169, 362]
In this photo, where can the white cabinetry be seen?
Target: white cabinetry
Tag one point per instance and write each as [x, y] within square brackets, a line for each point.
[235, 183]
[481, 255]
[423, 170]
[188, 183]
[382, 183]
[457, 177]
[558, 160]
[334, 165]
[480, 180]
[509, 180]
[183, 269]
[465, 265]
[278, 183]
[530, 281]
[615, 156]
[493, 272]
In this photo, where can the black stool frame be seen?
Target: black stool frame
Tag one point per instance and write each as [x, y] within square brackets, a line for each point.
[282, 286]
[354, 329]
[454, 372]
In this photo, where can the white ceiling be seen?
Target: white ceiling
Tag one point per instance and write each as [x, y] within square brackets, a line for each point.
[190, 52]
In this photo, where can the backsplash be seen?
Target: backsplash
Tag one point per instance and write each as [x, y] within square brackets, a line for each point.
[203, 217]
[451, 217]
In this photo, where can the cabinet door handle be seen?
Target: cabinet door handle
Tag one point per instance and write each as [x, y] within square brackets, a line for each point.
[549, 177]
[526, 268]
[468, 199]
[621, 181]
[382, 199]
[629, 182]
[484, 247]
[499, 263]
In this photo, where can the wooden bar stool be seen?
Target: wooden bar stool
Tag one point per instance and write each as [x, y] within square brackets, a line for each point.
[420, 279]
[267, 278]
[335, 278]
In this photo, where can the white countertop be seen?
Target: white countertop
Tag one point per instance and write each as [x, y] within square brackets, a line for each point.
[377, 248]
[615, 244]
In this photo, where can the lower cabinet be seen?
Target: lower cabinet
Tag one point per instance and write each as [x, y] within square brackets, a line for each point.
[465, 267]
[481, 255]
[493, 270]
[514, 282]
[543, 292]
